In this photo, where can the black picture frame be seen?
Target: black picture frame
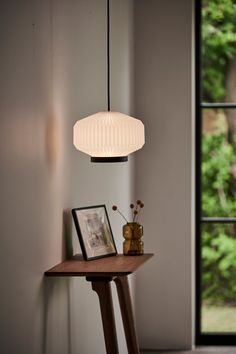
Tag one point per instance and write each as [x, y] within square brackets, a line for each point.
[94, 232]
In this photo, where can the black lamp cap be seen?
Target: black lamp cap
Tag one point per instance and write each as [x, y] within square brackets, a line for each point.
[109, 159]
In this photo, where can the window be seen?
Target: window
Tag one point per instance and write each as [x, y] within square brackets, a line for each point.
[216, 172]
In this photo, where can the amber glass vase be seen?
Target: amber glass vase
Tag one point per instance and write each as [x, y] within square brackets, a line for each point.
[132, 232]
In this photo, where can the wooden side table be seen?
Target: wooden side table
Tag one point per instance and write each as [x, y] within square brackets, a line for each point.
[100, 273]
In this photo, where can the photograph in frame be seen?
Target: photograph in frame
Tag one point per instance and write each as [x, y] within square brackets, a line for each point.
[94, 232]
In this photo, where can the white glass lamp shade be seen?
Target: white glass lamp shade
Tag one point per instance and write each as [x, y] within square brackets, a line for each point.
[108, 136]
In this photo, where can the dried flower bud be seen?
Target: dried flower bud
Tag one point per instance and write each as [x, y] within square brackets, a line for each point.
[135, 212]
[138, 202]
[132, 206]
[141, 205]
[114, 207]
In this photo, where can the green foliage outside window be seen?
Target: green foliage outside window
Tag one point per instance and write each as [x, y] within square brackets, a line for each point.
[218, 45]
[218, 157]
[218, 240]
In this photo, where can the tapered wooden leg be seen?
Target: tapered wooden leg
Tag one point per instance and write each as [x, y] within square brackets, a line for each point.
[127, 314]
[102, 287]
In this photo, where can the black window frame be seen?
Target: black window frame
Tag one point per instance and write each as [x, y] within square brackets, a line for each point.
[214, 339]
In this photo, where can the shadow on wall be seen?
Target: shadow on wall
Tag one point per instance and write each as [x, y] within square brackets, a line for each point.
[52, 141]
[67, 246]
[56, 321]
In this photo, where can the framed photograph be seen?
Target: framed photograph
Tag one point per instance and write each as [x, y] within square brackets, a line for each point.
[94, 232]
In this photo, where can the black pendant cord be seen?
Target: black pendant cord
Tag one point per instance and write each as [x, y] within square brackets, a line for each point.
[108, 159]
[108, 55]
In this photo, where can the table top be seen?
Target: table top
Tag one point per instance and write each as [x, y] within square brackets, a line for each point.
[109, 266]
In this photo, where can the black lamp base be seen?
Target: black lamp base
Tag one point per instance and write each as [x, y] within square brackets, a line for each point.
[109, 159]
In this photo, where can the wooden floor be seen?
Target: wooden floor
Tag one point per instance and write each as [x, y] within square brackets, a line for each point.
[209, 350]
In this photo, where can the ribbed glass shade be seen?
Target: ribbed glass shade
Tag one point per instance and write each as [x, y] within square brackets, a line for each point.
[108, 134]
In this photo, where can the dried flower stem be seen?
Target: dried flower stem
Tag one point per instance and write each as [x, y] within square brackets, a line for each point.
[122, 216]
[135, 213]
[139, 205]
[116, 209]
[138, 215]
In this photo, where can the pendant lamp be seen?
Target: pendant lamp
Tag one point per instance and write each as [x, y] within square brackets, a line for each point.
[108, 136]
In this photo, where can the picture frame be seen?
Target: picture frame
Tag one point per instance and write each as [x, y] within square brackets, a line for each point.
[94, 232]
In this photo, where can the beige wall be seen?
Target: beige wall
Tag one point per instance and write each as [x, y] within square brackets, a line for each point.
[53, 71]
[163, 170]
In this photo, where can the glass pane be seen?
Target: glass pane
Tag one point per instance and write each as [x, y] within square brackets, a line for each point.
[218, 166]
[218, 312]
[218, 50]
